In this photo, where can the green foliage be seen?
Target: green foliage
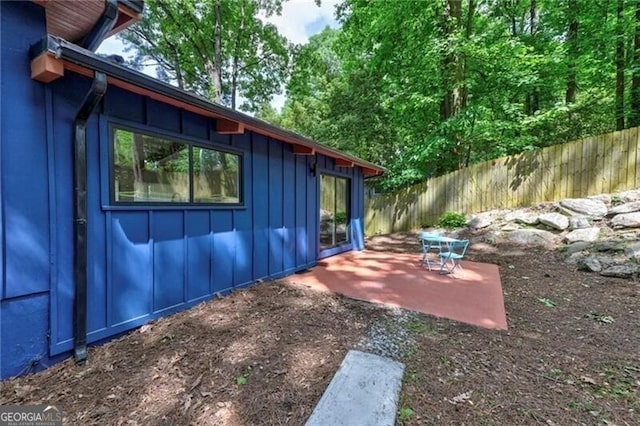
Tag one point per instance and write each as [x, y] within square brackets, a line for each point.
[405, 414]
[424, 90]
[421, 88]
[452, 220]
[616, 200]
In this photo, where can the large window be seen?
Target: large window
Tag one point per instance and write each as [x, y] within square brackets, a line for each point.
[155, 169]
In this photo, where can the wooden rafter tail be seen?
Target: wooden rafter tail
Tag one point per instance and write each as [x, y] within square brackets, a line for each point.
[371, 172]
[229, 127]
[126, 18]
[303, 150]
[341, 162]
[45, 68]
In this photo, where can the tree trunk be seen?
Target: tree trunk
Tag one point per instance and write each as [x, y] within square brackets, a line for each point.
[447, 63]
[215, 68]
[463, 146]
[234, 81]
[619, 66]
[457, 101]
[451, 102]
[178, 68]
[235, 66]
[533, 100]
[533, 17]
[572, 41]
[461, 78]
[634, 118]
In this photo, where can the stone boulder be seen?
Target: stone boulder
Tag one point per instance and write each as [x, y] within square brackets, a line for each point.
[588, 207]
[533, 237]
[586, 234]
[554, 220]
[628, 196]
[605, 198]
[609, 246]
[510, 226]
[482, 220]
[520, 216]
[631, 207]
[633, 251]
[578, 222]
[576, 258]
[577, 247]
[607, 260]
[620, 271]
[626, 220]
[590, 264]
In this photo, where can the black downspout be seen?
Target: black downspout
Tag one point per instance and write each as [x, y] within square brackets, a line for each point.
[98, 89]
[99, 31]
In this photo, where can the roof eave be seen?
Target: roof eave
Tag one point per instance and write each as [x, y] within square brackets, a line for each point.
[71, 54]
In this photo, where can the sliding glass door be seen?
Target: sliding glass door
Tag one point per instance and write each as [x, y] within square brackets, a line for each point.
[335, 199]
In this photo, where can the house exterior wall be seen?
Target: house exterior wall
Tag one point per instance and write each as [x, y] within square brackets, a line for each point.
[144, 262]
[24, 199]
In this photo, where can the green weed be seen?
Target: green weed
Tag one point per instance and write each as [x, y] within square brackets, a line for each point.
[615, 200]
[601, 318]
[405, 414]
[554, 373]
[619, 382]
[243, 379]
[547, 302]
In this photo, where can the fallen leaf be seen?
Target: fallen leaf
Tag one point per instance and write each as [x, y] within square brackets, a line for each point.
[462, 397]
[587, 379]
[196, 383]
[187, 402]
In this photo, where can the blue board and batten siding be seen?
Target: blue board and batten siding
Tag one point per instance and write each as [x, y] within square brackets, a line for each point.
[27, 259]
[147, 262]
[143, 262]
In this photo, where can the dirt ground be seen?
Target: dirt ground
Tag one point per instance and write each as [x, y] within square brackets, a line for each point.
[571, 355]
[264, 355]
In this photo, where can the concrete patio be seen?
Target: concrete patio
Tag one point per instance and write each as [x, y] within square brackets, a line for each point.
[472, 296]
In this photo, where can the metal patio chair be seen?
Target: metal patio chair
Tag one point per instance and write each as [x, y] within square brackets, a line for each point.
[450, 259]
[429, 241]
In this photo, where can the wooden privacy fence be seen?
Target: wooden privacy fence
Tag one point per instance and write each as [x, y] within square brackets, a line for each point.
[601, 164]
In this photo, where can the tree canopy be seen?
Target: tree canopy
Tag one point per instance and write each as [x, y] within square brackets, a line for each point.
[420, 87]
[425, 88]
[220, 49]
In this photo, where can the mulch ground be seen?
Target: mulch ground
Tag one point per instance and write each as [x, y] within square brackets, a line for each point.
[260, 356]
[266, 354]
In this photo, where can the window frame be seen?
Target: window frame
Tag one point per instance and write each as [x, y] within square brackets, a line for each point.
[112, 126]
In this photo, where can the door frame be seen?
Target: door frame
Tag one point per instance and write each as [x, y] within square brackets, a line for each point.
[341, 248]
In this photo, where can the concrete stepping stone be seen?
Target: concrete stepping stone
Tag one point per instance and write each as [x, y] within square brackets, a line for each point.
[364, 391]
